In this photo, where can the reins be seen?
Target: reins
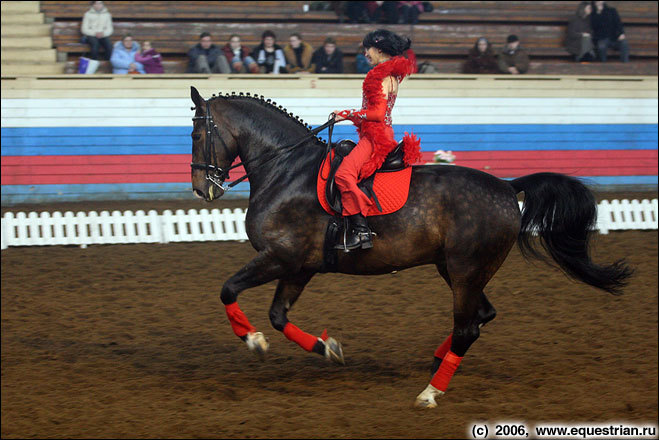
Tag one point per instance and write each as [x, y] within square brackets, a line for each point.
[217, 175]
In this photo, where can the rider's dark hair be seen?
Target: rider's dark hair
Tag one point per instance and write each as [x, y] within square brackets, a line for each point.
[387, 41]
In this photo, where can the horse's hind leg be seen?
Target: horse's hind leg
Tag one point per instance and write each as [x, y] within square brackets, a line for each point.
[471, 310]
[288, 291]
[486, 313]
[260, 270]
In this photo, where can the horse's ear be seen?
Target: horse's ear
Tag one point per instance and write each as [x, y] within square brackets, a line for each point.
[196, 97]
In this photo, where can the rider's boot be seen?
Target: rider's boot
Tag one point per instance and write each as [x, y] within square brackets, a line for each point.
[358, 234]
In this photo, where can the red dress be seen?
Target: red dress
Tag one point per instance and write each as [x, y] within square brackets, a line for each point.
[376, 135]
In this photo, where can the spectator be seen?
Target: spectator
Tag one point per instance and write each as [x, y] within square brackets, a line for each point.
[388, 12]
[328, 59]
[513, 58]
[150, 59]
[481, 58]
[96, 30]
[241, 61]
[361, 63]
[608, 31]
[579, 41]
[123, 56]
[269, 55]
[358, 12]
[298, 55]
[409, 12]
[205, 57]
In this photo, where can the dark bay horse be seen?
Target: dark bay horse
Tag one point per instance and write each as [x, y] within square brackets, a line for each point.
[462, 220]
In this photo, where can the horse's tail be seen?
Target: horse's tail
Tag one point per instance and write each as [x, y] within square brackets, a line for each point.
[563, 212]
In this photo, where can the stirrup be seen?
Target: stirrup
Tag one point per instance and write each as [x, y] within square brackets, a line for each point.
[364, 241]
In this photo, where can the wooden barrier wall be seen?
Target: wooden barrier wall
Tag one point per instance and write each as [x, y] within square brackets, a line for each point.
[127, 137]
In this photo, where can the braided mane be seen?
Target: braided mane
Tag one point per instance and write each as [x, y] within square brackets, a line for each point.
[267, 103]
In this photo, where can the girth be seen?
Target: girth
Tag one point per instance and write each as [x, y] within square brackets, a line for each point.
[393, 162]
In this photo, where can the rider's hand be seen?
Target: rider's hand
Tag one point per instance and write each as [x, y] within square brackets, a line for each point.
[338, 117]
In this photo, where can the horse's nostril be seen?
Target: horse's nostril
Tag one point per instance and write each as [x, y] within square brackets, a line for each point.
[198, 193]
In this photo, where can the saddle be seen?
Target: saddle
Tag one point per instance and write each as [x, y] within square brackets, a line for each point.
[397, 180]
[388, 187]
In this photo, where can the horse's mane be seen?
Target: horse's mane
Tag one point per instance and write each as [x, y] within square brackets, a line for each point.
[269, 104]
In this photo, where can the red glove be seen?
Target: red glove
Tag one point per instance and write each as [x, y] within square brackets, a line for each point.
[375, 114]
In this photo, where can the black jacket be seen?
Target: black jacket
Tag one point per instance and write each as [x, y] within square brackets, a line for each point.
[211, 54]
[607, 24]
[325, 64]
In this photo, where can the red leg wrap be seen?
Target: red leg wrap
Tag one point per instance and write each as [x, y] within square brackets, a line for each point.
[444, 348]
[304, 340]
[238, 320]
[445, 371]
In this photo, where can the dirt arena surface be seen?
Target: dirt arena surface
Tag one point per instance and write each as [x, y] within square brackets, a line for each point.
[131, 341]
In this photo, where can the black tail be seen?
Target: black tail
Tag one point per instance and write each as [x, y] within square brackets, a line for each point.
[563, 212]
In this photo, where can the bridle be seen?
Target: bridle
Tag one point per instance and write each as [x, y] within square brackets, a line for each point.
[214, 173]
[217, 175]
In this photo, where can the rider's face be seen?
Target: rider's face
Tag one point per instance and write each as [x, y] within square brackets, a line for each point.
[373, 55]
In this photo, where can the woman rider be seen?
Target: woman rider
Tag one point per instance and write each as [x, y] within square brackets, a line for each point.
[383, 49]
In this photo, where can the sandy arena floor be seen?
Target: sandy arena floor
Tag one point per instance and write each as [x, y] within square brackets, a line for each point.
[132, 341]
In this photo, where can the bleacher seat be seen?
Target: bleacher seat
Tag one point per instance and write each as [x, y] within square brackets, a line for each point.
[443, 36]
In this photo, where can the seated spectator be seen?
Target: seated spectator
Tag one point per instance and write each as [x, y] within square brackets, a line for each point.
[150, 59]
[298, 55]
[241, 61]
[328, 59]
[123, 56]
[481, 58]
[357, 12]
[269, 55]
[579, 41]
[513, 58]
[205, 57]
[388, 12]
[608, 31]
[361, 63]
[96, 30]
[409, 12]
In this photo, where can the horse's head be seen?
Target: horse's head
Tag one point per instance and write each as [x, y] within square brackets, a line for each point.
[213, 150]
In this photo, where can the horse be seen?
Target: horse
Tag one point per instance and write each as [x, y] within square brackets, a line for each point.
[462, 220]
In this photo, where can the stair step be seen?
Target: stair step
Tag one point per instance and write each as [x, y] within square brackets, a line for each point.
[19, 30]
[29, 56]
[19, 7]
[9, 19]
[27, 42]
[32, 69]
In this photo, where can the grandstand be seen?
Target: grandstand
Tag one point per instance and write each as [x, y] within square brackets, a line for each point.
[70, 137]
[443, 36]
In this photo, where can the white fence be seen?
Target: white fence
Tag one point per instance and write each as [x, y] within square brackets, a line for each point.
[85, 228]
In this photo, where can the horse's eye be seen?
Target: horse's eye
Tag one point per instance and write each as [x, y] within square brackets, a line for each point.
[196, 137]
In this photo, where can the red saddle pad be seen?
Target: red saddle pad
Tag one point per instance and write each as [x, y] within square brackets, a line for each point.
[391, 188]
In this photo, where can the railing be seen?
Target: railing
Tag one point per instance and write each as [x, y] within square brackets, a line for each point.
[84, 228]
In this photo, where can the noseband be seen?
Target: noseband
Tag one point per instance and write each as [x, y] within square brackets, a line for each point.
[217, 175]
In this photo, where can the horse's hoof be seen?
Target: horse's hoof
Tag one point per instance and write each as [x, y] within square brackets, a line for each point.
[334, 351]
[427, 397]
[257, 343]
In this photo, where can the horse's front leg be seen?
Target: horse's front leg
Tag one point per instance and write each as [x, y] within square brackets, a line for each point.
[260, 270]
[288, 291]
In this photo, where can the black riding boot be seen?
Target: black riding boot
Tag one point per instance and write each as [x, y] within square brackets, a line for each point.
[358, 234]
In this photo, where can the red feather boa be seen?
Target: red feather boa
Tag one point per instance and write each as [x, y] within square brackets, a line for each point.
[380, 134]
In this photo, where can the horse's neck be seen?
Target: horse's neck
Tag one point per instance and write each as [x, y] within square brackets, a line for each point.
[272, 167]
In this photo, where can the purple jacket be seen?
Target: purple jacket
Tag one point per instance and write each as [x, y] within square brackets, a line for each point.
[151, 61]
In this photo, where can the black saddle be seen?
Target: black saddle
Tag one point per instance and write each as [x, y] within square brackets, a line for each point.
[393, 162]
